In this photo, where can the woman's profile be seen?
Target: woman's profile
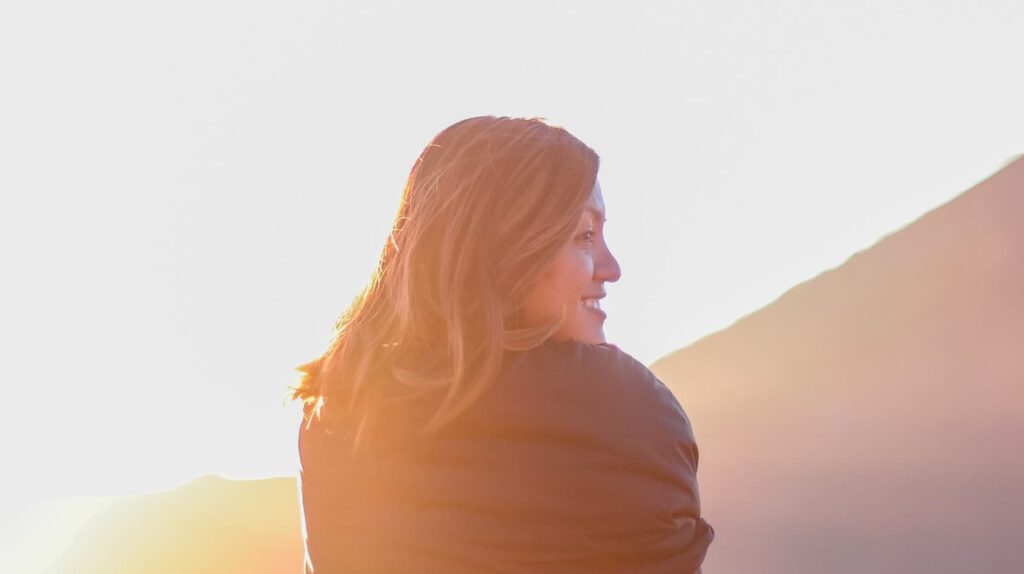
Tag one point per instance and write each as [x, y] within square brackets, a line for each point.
[468, 415]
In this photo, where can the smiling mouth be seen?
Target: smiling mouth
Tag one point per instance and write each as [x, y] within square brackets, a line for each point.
[594, 306]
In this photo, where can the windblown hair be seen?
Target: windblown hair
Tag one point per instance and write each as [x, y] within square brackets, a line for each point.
[487, 207]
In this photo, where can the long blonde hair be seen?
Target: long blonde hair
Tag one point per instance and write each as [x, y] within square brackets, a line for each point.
[487, 207]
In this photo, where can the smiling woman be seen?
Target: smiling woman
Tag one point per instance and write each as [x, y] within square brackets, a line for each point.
[469, 415]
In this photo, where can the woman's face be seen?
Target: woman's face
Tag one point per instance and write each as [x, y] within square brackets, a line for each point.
[576, 279]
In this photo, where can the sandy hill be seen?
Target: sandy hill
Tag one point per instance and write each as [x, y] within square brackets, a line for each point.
[210, 525]
[872, 419]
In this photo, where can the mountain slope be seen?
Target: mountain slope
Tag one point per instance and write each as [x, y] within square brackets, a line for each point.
[871, 419]
[208, 525]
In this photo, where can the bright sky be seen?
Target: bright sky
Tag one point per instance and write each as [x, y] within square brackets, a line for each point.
[194, 191]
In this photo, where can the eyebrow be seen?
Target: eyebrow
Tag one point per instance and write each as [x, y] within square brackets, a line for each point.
[600, 216]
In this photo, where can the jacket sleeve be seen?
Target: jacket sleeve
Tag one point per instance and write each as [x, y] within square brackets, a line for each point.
[659, 440]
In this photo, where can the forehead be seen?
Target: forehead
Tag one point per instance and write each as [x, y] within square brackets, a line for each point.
[594, 208]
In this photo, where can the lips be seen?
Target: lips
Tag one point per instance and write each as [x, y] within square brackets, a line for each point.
[593, 304]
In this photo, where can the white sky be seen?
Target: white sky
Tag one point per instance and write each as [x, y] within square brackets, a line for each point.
[194, 191]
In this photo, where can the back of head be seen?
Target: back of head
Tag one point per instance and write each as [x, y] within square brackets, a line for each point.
[486, 208]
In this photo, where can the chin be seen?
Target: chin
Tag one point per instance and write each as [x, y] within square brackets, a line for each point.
[585, 331]
[591, 338]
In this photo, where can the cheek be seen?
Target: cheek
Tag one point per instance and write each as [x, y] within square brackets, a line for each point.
[544, 299]
[583, 268]
[576, 279]
[563, 284]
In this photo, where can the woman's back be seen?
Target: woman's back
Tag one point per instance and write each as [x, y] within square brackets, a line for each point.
[577, 459]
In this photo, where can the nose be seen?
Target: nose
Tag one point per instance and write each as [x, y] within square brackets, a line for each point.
[607, 267]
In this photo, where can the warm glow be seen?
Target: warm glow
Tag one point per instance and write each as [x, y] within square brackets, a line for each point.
[193, 195]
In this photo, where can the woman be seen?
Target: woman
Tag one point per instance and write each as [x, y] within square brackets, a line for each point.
[468, 415]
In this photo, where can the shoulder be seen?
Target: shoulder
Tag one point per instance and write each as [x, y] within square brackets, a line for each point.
[601, 380]
[582, 395]
[572, 357]
[600, 368]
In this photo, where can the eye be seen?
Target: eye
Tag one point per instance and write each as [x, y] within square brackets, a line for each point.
[587, 236]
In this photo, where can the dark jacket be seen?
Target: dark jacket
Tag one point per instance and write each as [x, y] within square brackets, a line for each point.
[578, 460]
